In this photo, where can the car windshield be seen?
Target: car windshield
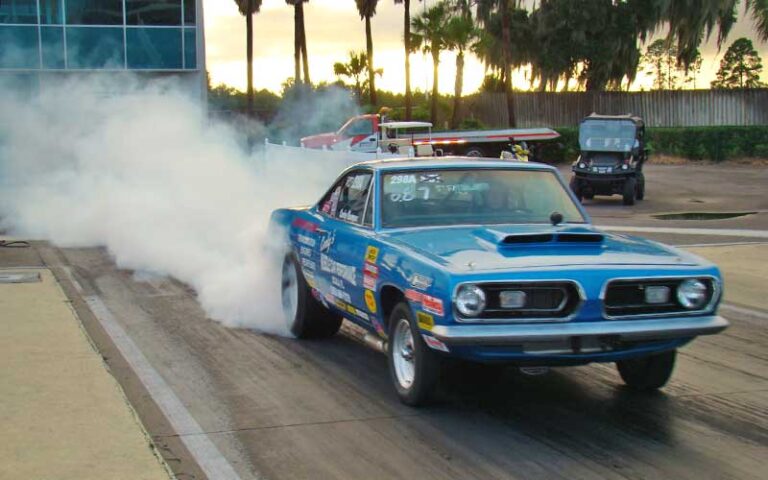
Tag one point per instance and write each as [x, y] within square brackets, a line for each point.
[473, 196]
[607, 135]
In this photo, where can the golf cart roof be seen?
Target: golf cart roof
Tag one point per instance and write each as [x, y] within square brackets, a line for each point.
[638, 121]
[406, 125]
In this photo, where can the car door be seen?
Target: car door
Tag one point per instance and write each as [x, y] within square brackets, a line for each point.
[358, 135]
[347, 235]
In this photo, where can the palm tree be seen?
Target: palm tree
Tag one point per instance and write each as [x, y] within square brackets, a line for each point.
[759, 10]
[299, 41]
[460, 35]
[429, 35]
[486, 10]
[408, 49]
[367, 9]
[354, 69]
[248, 8]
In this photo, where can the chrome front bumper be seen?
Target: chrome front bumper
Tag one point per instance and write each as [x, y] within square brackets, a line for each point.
[630, 330]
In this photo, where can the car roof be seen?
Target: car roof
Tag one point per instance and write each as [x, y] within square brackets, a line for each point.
[422, 163]
[632, 118]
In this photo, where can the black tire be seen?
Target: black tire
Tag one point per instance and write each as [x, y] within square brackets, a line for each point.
[576, 188]
[647, 373]
[640, 185]
[474, 152]
[311, 318]
[629, 191]
[589, 195]
[426, 368]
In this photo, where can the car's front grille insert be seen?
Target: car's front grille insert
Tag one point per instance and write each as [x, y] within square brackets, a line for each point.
[539, 300]
[625, 298]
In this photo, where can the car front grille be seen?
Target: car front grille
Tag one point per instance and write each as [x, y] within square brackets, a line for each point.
[624, 298]
[543, 300]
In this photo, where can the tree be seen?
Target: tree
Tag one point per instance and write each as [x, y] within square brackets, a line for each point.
[300, 56]
[354, 70]
[740, 67]
[367, 9]
[759, 9]
[408, 50]
[460, 35]
[248, 8]
[429, 35]
[660, 60]
[499, 12]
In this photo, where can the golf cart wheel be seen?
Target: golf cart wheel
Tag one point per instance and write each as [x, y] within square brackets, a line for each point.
[413, 367]
[576, 188]
[474, 152]
[640, 185]
[630, 191]
[304, 316]
[647, 373]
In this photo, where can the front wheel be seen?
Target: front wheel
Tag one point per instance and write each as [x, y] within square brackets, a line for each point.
[576, 188]
[647, 373]
[413, 367]
[474, 152]
[630, 191]
[640, 185]
[304, 316]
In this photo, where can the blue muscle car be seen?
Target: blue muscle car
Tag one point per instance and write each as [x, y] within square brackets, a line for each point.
[487, 261]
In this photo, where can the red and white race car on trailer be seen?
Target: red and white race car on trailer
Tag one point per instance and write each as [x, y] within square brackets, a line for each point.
[368, 133]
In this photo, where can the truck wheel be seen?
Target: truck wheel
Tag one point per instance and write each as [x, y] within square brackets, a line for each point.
[647, 373]
[304, 316]
[630, 191]
[640, 185]
[576, 188]
[413, 367]
[474, 152]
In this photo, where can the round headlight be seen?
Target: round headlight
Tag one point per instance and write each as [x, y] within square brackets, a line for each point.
[470, 300]
[692, 294]
[582, 165]
[625, 167]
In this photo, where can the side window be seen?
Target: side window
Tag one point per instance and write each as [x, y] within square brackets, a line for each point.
[364, 126]
[368, 216]
[346, 200]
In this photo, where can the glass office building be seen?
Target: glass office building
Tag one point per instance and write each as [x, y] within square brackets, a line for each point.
[154, 37]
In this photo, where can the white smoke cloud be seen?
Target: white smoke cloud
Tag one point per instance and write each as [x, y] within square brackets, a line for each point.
[146, 174]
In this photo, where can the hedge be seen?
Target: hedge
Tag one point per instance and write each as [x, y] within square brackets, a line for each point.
[694, 143]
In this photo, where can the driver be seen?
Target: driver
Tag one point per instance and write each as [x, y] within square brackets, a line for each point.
[497, 196]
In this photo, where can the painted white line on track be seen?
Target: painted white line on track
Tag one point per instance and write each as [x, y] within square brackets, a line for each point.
[722, 232]
[729, 244]
[745, 311]
[205, 453]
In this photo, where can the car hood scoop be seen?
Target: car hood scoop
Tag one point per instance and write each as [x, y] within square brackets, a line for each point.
[574, 235]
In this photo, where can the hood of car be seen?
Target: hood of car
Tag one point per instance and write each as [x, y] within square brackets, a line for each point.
[473, 248]
[319, 140]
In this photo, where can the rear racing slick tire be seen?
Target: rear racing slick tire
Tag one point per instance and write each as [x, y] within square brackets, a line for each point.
[413, 367]
[304, 315]
[647, 373]
[630, 191]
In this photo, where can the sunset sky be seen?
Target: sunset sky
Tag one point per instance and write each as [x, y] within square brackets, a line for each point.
[334, 28]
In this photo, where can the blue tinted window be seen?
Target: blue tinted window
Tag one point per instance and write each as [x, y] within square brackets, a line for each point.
[154, 48]
[190, 48]
[52, 44]
[51, 12]
[153, 12]
[18, 47]
[18, 11]
[190, 12]
[91, 47]
[94, 12]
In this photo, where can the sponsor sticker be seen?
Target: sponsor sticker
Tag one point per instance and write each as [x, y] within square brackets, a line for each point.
[369, 282]
[371, 270]
[371, 254]
[435, 343]
[425, 321]
[306, 240]
[340, 294]
[304, 224]
[420, 282]
[413, 295]
[309, 264]
[347, 272]
[432, 305]
[370, 301]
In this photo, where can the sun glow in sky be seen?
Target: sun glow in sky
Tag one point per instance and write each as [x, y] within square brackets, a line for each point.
[334, 28]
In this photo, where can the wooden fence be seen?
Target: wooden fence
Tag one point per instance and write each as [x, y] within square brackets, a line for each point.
[675, 108]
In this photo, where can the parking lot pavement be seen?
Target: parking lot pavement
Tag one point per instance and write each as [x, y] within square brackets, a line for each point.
[63, 415]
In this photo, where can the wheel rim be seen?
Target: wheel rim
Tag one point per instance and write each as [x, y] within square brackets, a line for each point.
[474, 153]
[290, 293]
[404, 355]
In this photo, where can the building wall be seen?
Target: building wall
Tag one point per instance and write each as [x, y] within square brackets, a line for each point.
[42, 38]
